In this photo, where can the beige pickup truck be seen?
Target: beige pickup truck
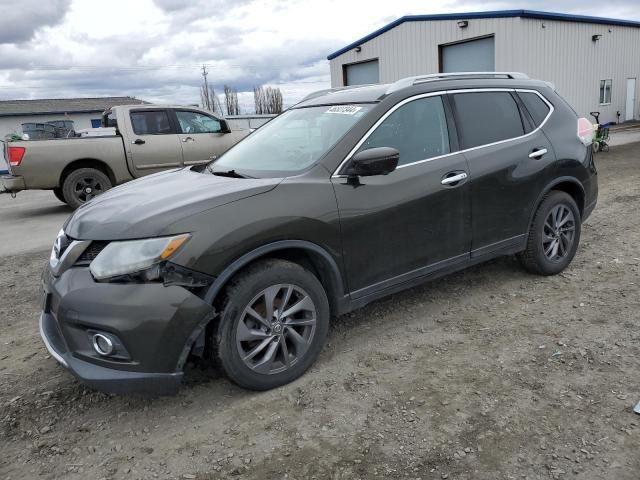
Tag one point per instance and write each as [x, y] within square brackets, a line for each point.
[141, 139]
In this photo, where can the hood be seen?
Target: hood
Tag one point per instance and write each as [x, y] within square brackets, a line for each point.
[147, 207]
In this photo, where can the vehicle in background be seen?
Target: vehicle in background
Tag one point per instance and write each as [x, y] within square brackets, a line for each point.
[147, 139]
[4, 169]
[347, 197]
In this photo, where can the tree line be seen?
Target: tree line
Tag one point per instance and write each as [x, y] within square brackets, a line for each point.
[267, 100]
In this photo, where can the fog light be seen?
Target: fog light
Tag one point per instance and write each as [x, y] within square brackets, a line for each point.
[102, 344]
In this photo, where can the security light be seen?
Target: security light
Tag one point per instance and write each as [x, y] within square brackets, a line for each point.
[463, 23]
[595, 38]
[358, 49]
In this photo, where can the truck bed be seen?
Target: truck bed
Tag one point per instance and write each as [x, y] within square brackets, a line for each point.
[45, 160]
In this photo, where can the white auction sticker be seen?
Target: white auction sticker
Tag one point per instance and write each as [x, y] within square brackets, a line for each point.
[344, 109]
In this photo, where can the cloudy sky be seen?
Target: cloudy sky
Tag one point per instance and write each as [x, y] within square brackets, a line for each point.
[154, 49]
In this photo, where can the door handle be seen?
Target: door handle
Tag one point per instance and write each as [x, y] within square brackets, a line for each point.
[538, 153]
[138, 141]
[188, 138]
[454, 178]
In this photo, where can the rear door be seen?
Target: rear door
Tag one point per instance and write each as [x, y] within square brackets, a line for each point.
[201, 137]
[507, 154]
[401, 226]
[154, 145]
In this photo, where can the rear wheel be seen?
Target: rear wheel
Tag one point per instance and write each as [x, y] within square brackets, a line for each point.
[273, 324]
[83, 184]
[58, 193]
[554, 235]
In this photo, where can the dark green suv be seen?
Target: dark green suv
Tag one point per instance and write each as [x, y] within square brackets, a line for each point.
[348, 196]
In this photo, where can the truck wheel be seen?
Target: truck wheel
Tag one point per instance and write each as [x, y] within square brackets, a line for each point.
[58, 193]
[83, 184]
[273, 324]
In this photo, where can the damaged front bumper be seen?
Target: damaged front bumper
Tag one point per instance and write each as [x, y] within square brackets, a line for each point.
[152, 327]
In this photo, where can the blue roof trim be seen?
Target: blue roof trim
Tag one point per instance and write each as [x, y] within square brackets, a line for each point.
[565, 17]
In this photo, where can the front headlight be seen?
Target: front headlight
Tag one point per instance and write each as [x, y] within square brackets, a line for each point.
[121, 258]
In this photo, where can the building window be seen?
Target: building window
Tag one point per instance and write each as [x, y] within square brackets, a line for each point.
[605, 92]
[96, 122]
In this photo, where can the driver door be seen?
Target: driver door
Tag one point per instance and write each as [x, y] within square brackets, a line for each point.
[413, 221]
[201, 137]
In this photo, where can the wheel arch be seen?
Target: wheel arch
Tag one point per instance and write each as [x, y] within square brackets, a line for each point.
[87, 163]
[569, 185]
[308, 254]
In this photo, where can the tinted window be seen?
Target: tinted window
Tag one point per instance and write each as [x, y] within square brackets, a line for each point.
[418, 130]
[151, 122]
[487, 117]
[536, 107]
[194, 122]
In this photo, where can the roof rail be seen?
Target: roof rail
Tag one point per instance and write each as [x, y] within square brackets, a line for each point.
[409, 81]
[325, 91]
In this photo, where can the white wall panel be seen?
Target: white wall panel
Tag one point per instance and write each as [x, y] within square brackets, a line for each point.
[560, 52]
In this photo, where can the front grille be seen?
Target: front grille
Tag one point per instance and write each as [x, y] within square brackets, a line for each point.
[91, 252]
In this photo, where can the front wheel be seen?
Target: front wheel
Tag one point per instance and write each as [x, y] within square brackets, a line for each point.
[83, 184]
[273, 324]
[553, 236]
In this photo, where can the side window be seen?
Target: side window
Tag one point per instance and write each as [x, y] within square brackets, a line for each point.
[486, 117]
[194, 122]
[418, 130]
[151, 122]
[536, 107]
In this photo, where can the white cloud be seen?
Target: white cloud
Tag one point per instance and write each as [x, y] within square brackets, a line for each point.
[154, 49]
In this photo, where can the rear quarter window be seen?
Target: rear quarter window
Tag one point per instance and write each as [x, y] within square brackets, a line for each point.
[486, 117]
[536, 107]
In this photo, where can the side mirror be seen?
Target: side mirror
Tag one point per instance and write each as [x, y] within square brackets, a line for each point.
[224, 126]
[374, 161]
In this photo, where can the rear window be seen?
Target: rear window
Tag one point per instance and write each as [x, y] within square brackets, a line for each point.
[154, 122]
[536, 107]
[486, 117]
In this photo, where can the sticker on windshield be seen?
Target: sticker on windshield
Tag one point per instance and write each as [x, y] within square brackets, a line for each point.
[344, 109]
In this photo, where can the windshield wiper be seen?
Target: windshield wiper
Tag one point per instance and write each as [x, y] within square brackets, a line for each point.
[228, 173]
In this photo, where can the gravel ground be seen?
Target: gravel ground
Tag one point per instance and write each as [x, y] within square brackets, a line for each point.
[490, 373]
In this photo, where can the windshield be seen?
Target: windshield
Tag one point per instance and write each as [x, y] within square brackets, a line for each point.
[292, 141]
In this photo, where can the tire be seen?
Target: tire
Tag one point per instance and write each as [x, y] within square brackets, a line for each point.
[240, 333]
[554, 235]
[83, 184]
[58, 193]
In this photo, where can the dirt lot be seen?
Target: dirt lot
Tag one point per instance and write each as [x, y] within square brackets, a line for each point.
[487, 374]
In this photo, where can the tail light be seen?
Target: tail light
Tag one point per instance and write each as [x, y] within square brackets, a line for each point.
[585, 131]
[15, 155]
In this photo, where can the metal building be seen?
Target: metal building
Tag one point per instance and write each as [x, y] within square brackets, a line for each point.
[593, 62]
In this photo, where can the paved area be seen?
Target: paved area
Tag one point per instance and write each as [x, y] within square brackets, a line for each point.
[624, 136]
[30, 221]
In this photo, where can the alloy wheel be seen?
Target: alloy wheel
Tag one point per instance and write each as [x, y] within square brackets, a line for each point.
[558, 233]
[276, 329]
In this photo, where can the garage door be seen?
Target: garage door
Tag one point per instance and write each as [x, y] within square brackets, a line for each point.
[361, 73]
[472, 56]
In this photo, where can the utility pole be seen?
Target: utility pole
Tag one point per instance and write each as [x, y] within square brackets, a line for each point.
[206, 99]
[204, 75]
